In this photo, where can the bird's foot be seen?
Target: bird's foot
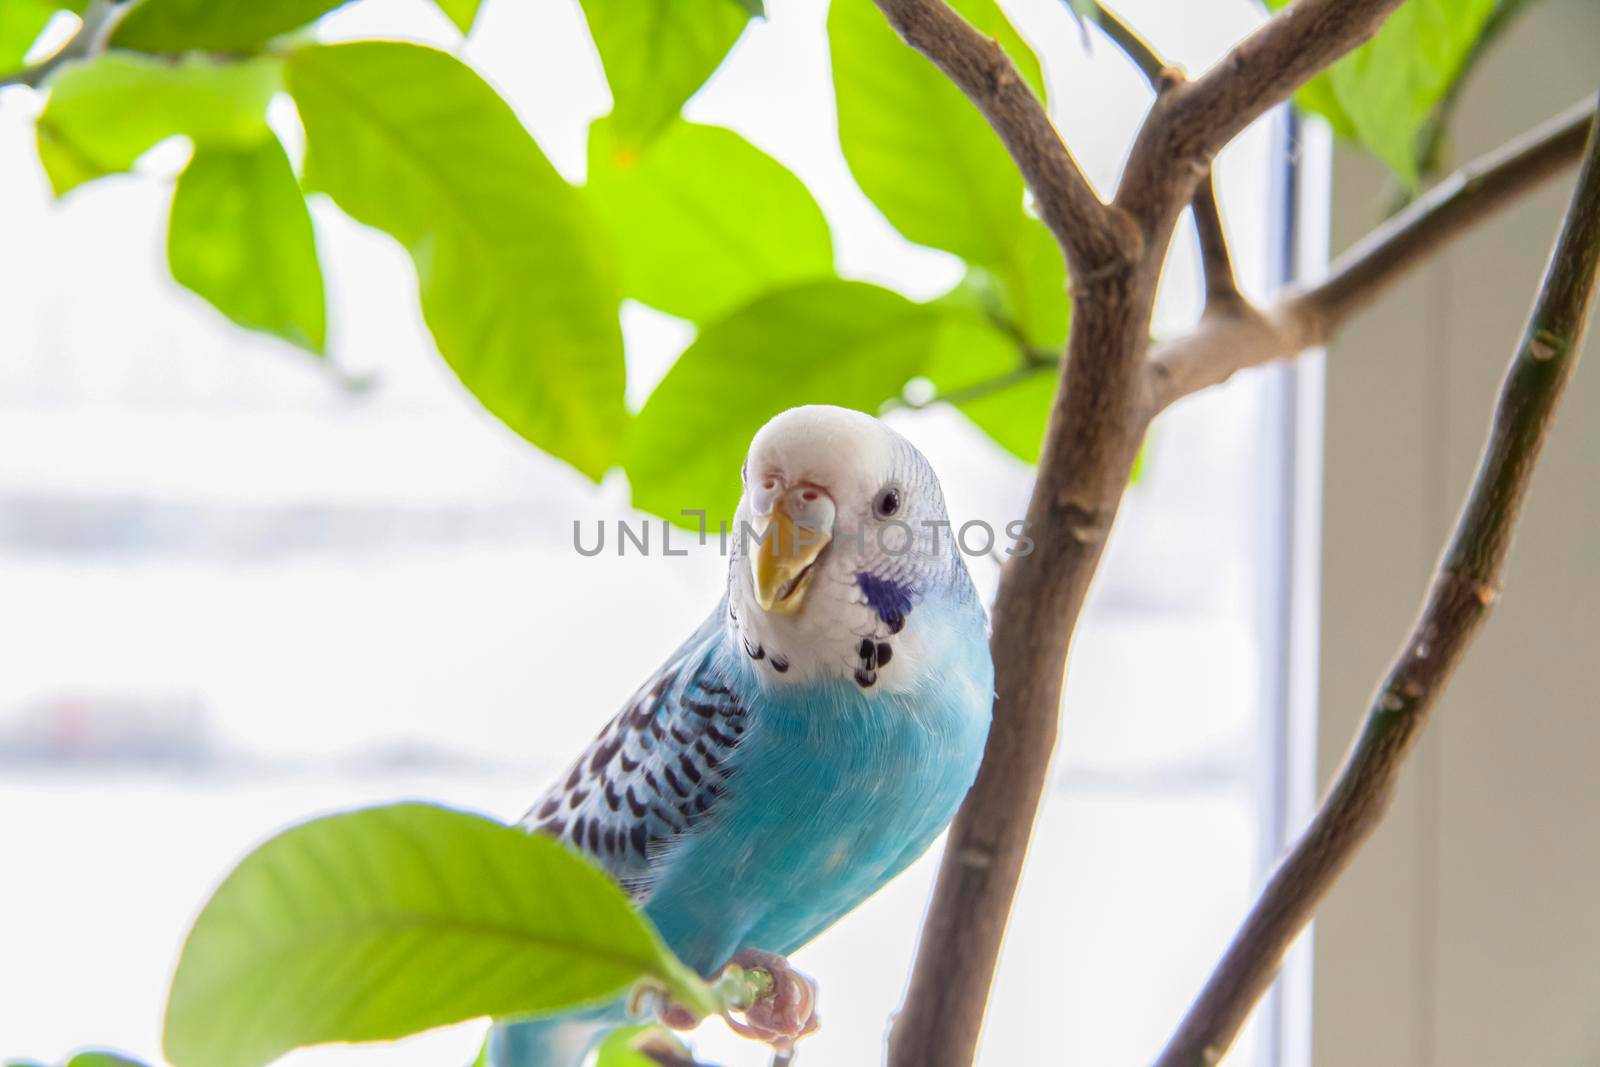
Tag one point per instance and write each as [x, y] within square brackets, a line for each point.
[787, 1011]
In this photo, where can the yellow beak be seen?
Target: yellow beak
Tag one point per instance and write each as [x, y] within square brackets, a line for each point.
[782, 561]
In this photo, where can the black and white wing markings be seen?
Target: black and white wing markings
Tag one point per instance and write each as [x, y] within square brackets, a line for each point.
[653, 773]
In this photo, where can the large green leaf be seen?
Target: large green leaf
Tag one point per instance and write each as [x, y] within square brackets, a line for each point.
[829, 342]
[385, 922]
[214, 25]
[104, 114]
[916, 144]
[704, 220]
[656, 53]
[1384, 92]
[21, 22]
[240, 236]
[517, 280]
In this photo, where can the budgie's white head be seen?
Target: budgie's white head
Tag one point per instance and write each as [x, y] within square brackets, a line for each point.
[840, 534]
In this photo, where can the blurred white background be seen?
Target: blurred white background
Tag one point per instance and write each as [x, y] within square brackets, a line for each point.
[234, 593]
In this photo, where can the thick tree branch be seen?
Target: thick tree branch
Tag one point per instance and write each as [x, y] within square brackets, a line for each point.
[1089, 232]
[1463, 589]
[1190, 124]
[1301, 319]
[1097, 422]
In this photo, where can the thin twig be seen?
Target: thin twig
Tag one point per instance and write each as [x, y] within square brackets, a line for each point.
[98, 19]
[1465, 586]
[1444, 211]
[1216, 263]
[976, 390]
[1090, 234]
[1300, 320]
[1155, 69]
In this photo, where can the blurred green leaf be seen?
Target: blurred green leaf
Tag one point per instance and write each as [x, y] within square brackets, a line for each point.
[21, 22]
[754, 8]
[827, 342]
[103, 1059]
[104, 114]
[517, 280]
[1007, 396]
[213, 25]
[240, 237]
[656, 53]
[624, 1047]
[461, 12]
[915, 143]
[704, 220]
[1033, 287]
[385, 922]
[1384, 92]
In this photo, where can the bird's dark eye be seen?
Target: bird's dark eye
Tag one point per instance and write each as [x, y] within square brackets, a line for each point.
[887, 502]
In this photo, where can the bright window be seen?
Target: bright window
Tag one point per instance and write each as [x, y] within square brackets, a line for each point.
[237, 589]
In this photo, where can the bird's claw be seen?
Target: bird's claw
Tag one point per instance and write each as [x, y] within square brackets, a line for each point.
[787, 1012]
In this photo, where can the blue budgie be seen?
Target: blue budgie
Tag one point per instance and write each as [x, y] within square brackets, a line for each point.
[811, 738]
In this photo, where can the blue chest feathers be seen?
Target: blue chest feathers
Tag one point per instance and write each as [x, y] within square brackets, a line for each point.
[836, 789]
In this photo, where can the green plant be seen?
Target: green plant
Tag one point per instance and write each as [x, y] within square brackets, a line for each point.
[698, 223]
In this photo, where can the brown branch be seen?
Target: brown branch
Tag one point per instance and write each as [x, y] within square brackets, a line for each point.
[1464, 587]
[1190, 124]
[1299, 320]
[1216, 263]
[1090, 233]
[1097, 422]
[1450, 207]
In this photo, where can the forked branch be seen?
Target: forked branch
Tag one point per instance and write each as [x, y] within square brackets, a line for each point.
[1097, 421]
[1216, 263]
[1190, 125]
[1464, 587]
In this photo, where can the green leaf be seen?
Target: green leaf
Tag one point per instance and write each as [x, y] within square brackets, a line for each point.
[213, 25]
[1384, 92]
[21, 22]
[461, 12]
[385, 922]
[916, 145]
[625, 1047]
[704, 220]
[1033, 287]
[754, 8]
[828, 342]
[971, 356]
[103, 115]
[656, 53]
[102, 1059]
[240, 237]
[516, 278]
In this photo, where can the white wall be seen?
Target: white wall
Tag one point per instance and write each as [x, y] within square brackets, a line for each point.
[1469, 930]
